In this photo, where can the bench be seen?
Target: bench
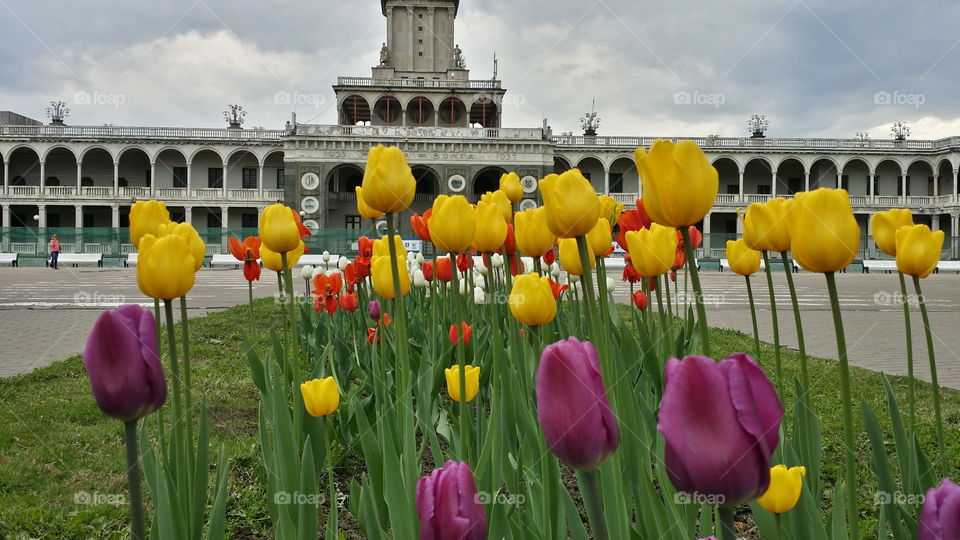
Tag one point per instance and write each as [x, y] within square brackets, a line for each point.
[314, 259]
[887, 266]
[725, 265]
[131, 260]
[77, 259]
[946, 266]
[224, 259]
[9, 258]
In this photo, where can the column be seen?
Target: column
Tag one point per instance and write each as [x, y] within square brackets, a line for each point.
[79, 174]
[773, 184]
[260, 182]
[153, 179]
[935, 222]
[606, 181]
[43, 175]
[116, 179]
[431, 41]
[839, 181]
[6, 177]
[225, 173]
[742, 196]
[225, 227]
[78, 216]
[872, 180]
[188, 214]
[936, 185]
[189, 178]
[955, 174]
[806, 180]
[224, 216]
[115, 216]
[6, 216]
[42, 212]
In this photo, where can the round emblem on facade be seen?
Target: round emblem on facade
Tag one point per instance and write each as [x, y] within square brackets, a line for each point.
[528, 204]
[310, 204]
[529, 184]
[311, 224]
[381, 228]
[310, 181]
[457, 183]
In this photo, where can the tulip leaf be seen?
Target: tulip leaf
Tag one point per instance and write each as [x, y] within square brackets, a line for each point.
[217, 522]
[307, 509]
[881, 468]
[906, 454]
[838, 519]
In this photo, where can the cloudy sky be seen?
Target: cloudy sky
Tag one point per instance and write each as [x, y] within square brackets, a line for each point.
[815, 68]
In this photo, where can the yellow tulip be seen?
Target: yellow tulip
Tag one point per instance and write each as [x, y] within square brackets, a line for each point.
[321, 397]
[383, 277]
[885, 226]
[610, 209]
[145, 218]
[531, 300]
[364, 209]
[471, 378]
[766, 226]
[533, 235]
[824, 235]
[452, 224]
[388, 183]
[570, 257]
[571, 203]
[918, 250]
[278, 229]
[166, 267]
[500, 200]
[600, 239]
[510, 185]
[381, 247]
[784, 491]
[274, 261]
[742, 259]
[491, 229]
[652, 250]
[679, 183]
[186, 230]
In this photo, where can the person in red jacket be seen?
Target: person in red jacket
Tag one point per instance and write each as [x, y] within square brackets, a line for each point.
[54, 252]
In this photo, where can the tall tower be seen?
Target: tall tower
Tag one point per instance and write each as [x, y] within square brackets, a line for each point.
[422, 78]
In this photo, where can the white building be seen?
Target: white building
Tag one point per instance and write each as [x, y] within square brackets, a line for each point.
[421, 98]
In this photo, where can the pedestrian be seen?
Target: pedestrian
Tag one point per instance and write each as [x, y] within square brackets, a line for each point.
[54, 251]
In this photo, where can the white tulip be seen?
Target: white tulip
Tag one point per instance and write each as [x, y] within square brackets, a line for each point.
[318, 271]
[419, 258]
[573, 278]
[480, 282]
[342, 263]
[496, 260]
[610, 284]
[478, 296]
[554, 270]
[419, 280]
[463, 287]
[306, 272]
[326, 256]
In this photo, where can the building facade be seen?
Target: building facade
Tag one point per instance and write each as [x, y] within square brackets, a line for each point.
[422, 99]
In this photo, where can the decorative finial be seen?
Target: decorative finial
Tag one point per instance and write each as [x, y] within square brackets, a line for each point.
[57, 112]
[757, 126]
[900, 131]
[235, 116]
[591, 121]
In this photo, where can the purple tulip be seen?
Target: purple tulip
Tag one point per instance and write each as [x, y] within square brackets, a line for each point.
[572, 405]
[123, 364]
[448, 505]
[940, 517]
[721, 423]
[374, 309]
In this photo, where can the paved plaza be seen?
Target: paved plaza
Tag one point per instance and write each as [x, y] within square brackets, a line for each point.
[47, 314]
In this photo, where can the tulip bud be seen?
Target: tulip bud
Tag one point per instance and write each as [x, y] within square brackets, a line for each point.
[123, 363]
[479, 281]
[824, 234]
[611, 285]
[479, 297]
[940, 516]
[166, 268]
[918, 250]
[511, 186]
[640, 300]
[419, 280]
[572, 405]
[317, 271]
[374, 309]
[419, 258]
[146, 217]
[321, 397]
[671, 201]
[496, 260]
[448, 505]
[342, 263]
[729, 407]
[306, 272]
[555, 270]
[784, 490]
[573, 278]
[278, 229]
[531, 300]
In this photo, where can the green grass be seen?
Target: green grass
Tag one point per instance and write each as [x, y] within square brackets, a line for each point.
[54, 441]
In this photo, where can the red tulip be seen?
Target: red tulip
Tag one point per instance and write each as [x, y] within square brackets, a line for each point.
[365, 247]
[550, 257]
[467, 334]
[632, 220]
[419, 224]
[673, 276]
[326, 288]
[629, 271]
[510, 244]
[349, 301]
[557, 289]
[247, 250]
[427, 269]
[304, 231]
[640, 300]
[464, 261]
[444, 269]
[251, 270]
[679, 259]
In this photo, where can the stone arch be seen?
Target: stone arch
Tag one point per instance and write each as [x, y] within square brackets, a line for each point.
[888, 177]
[791, 173]
[623, 176]
[428, 179]
[238, 172]
[945, 178]
[87, 150]
[57, 147]
[97, 167]
[60, 165]
[24, 168]
[202, 149]
[485, 113]
[354, 110]
[728, 171]
[854, 177]
[420, 111]
[487, 179]
[593, 169]
[452, 113]
[344, 178]
[758, 176]
[561, 164]
[388, 111]
[919, 180]
[823, 173]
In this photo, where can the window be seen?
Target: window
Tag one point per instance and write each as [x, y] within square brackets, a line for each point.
[279, 178]
[763, 189]
[420, 41]
[215, 177]
[88, 220]
[213, 221]
[122, 182]
[179, 177]
[52, 181]
[125, 220]
[420, 53]
[248, 221]
[249, 178]
[420, 15]
[86, 181]
[420, 28]
[352, 222]
[733, 189]
[616, 183]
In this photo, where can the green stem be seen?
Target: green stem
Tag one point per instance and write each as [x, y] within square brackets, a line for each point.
[666, 292]
[911, 379]
[137, 528]
[697, 290]
[174, 364]
[590, 480]
[775, 321]
[665, 323]
[931, 354]
[187, 384]
[250, 296]
[779, 527]
[851, 472]
[788, 268]
[333, 523]
[465, 419]
[727, 529]
[753, 317]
